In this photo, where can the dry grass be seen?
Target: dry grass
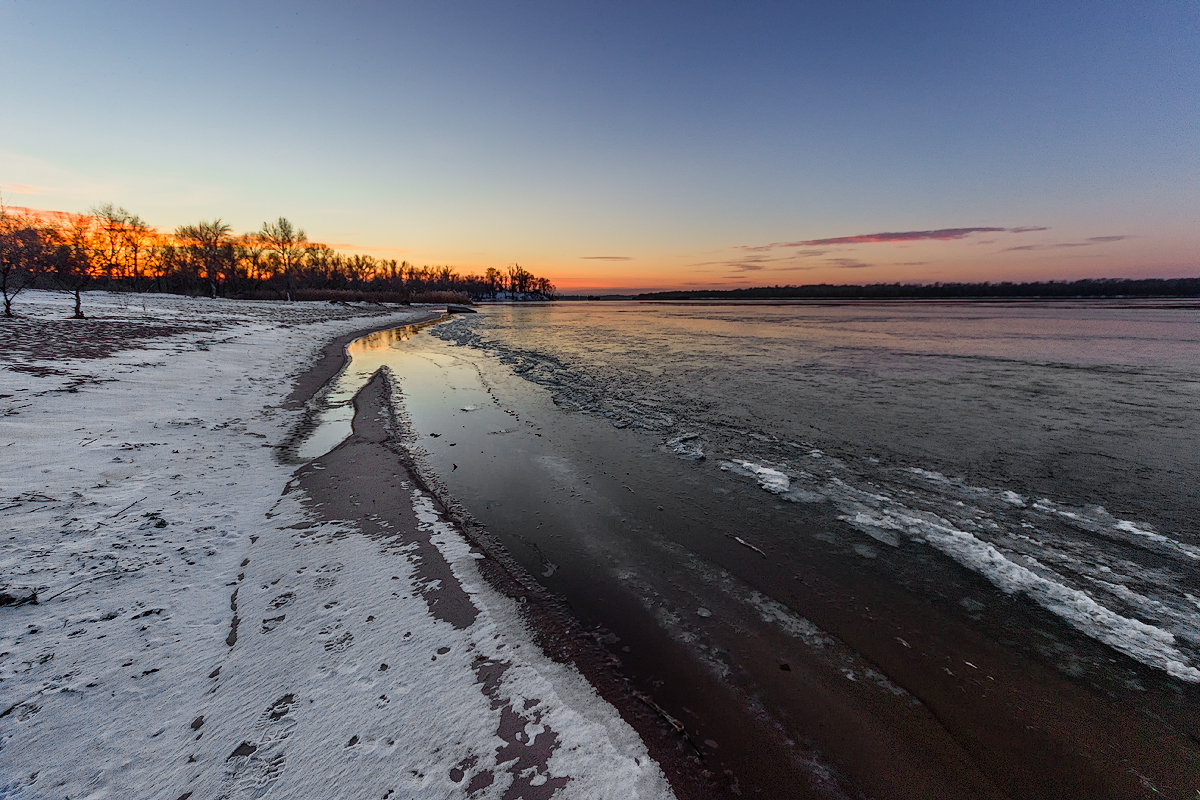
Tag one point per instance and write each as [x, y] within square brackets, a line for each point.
[441, 297]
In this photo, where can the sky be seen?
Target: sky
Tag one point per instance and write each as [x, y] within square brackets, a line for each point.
[631, 145]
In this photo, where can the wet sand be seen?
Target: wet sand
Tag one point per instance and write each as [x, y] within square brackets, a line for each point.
[369, 479]
[981, 712]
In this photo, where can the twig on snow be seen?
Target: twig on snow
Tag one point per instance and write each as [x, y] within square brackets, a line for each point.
[744, 543]
[91, 578]
[126, 508]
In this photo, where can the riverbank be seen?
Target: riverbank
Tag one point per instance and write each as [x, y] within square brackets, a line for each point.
[212, 623]
[722, 555]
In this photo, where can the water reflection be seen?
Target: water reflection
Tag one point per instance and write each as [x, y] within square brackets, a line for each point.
[332, 424]
[383, 339]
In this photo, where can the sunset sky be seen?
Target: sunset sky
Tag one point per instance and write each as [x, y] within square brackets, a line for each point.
[632, 145]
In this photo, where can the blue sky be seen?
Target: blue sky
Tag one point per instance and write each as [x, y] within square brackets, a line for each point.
[665, 137]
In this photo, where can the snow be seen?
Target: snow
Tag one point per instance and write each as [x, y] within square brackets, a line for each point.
[688, 446]
[769, 478]
[143, 498]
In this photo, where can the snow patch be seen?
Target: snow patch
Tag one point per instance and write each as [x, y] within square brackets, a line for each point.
[773, 480]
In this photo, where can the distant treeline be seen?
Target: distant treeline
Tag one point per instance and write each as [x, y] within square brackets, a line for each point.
[112, 248]
[1089, 287]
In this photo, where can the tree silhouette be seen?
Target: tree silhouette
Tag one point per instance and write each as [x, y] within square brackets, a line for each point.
[72, 260]
[209, 248]
[286, 242]
[22, 243]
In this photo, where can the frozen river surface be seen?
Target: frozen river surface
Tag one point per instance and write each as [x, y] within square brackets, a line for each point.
[920, 549]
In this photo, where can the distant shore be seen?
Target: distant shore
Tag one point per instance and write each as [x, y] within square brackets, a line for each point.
[1112, 288]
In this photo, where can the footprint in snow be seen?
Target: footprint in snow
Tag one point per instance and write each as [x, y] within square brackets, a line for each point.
[340, 643]
[256, 764]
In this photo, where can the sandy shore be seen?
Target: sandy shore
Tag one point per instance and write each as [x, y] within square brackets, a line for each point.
[804, 670]
[214, 623]
[374, 463]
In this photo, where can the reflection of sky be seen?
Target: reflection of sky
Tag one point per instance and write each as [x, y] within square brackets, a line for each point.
[658, 137]
[367, 354]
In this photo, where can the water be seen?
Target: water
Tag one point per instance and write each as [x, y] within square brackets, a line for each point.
[837, 522]
[1013, 439]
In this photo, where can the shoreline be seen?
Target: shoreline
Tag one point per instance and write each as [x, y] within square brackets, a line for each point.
[332, 359]
[1003, 708]
[215, 630]
[555, 630]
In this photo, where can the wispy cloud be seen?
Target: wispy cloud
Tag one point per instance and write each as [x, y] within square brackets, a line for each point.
[765, 264]
[1091, 241]
[23, 188]
[938, 235]
[607, 258]
[747, 264]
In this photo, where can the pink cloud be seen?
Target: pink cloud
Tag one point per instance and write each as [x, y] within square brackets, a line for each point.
[938, 235]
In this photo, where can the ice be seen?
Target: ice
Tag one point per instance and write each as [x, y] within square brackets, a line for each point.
[1012, 498]
[687, 445]
[773, 480]
[1146, 643]
[878, 527]
[880, 513]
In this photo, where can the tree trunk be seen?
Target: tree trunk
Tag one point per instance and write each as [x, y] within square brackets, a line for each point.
[78, 306]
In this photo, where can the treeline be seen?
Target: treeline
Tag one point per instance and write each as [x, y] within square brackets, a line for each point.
[1088, 287]
[112, 248]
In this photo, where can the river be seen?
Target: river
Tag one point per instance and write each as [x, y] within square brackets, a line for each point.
[851, 549]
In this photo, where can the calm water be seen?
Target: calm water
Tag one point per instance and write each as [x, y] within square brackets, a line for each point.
[740, 497]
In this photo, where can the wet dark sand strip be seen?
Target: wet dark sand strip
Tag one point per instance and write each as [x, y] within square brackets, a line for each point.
[368, 480]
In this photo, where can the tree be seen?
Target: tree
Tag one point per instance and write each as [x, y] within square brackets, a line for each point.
[208, 246]
[71, 262]
[286, 242]
[519, 279]
[108, 240]
[22, 242]
[137, 236]
[493, 278]
[250, 250]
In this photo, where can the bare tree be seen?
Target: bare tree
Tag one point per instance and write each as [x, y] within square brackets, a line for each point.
[519, 279]
[21, 244]
[108, 240]
[72, 260]
[250, 250]
[209, 247]
[287, 243]
[137, 237]
[494, 278]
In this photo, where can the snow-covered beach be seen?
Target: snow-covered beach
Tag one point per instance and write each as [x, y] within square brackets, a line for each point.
[211, 622]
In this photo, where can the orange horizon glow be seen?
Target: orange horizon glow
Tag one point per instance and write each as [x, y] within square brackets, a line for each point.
[947, 255]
